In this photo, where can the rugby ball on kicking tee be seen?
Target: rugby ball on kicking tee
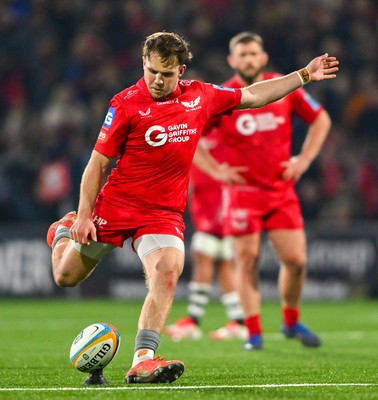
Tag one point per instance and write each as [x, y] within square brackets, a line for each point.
[94, 347]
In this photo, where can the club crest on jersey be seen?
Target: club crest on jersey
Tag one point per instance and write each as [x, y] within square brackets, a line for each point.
[192, 105]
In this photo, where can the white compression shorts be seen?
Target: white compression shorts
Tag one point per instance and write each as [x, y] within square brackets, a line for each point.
[212, 246]
[146, 244]
[143, 246]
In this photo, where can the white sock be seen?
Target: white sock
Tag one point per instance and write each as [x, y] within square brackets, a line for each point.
[142, 355]
[233, 307]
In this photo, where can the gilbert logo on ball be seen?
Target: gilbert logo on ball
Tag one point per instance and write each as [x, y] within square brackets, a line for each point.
[94, 347]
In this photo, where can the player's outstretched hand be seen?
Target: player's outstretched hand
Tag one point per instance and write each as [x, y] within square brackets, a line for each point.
[323, 67]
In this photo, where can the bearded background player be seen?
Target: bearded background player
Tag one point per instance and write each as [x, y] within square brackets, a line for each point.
[153, 128]
[260, 139]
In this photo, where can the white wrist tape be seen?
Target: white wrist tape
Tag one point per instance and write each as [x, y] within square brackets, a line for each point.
[304, 76]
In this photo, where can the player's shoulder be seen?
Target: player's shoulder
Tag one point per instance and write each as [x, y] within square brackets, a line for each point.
[130, 93]
[190, 85]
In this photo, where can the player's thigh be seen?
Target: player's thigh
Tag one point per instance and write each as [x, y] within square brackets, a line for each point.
[289, 245]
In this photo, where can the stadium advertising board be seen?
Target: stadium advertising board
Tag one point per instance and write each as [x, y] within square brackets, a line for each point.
[342, 263]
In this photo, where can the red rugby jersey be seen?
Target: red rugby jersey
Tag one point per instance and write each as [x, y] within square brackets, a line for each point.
[155, 141]
[260, 139]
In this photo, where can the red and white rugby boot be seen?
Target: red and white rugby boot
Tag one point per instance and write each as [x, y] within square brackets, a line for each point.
[66, 221]
[155, 370]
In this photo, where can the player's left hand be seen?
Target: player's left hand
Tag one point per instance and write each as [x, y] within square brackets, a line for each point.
[323, 67]
[294, 168]
[230, 175]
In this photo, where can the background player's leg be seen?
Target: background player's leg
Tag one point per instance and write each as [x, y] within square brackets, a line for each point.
[290, 246]
[247, 249]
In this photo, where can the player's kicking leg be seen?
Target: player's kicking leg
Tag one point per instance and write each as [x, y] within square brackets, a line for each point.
[70, 265]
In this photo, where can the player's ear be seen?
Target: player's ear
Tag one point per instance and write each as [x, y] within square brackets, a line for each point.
[265, 58]
[182, 69]
[230, 61]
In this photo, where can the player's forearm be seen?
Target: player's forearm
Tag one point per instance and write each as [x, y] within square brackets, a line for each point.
[316, 136]
[262, 93]
[91, 184]
[206, 162]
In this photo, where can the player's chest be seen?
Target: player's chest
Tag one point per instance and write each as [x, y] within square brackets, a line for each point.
[166, 125]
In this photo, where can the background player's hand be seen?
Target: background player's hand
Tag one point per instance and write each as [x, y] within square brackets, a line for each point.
[294, 168]
[323, 67]
[229, 175]
[83, 230]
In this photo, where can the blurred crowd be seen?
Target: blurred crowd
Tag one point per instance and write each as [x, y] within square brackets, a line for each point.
[62, 61]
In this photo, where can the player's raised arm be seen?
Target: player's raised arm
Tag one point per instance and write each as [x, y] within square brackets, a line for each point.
[261, 93]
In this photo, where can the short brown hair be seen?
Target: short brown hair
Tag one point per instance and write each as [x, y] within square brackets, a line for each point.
[245, 37]
[170, 47]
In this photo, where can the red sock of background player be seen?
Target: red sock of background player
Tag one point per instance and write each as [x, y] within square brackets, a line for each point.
[290, 316]
[253, 325]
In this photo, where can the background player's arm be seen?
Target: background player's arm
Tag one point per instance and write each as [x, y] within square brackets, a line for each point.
[317, 133]
[93, 177]
[261, 93]
[220, 172]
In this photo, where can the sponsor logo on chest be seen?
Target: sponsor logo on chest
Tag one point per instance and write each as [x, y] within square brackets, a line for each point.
[247, 124]
[158, 135]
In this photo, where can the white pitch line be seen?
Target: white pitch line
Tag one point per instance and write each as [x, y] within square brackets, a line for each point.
[206, 387]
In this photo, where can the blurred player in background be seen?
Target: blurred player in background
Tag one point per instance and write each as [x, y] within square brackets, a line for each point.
[152, 128]
[212, 252]
[260, 140]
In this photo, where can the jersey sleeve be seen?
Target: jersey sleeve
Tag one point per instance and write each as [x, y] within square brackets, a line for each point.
[114, 130]
[305, 106]
[221, 100]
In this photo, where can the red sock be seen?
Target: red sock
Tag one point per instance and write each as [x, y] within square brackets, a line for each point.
[290, 316]
[253, 325]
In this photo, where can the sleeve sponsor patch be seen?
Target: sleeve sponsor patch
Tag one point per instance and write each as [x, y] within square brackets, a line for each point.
[312, 102]
[223, 88]
[109, 117]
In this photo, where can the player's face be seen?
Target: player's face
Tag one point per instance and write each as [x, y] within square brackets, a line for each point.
[161, 79]
[248, 60]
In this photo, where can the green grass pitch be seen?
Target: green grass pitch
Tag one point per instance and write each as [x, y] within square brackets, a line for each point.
[36, 336]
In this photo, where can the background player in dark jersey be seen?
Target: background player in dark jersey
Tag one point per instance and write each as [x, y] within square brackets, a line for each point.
[260, 140]
[153, 129]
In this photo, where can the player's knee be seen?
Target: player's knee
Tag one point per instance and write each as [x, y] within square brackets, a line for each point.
[247, 261]
[170, 273]
[65, 280]
[296, 263]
